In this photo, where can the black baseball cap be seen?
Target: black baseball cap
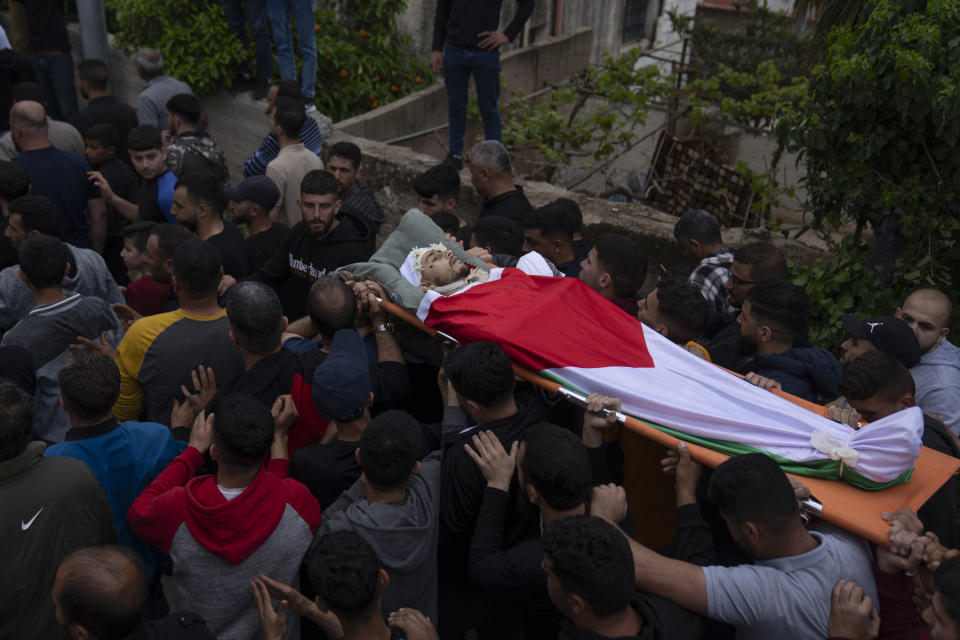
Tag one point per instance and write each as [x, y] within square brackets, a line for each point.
[887, 333]
[257, 189]
[341, 383]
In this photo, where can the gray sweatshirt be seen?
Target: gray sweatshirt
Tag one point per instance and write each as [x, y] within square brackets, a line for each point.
[89, 277]
[403, 534]
[47, 333]
[937, 378]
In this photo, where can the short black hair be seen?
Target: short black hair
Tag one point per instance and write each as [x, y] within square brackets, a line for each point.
[498, 234]
[169, 236]
[319, 182]
[440, 180]
[94, 72]
[766, 262]
[287, 88]
[345, 573]
[242, 430]
[348, 151]
[140, 232]
[43, 259]
[552, 221]
[481, 372]
[697, 224]
[290, 115]
[876, 373]
[37, 213]
[555, 462]
[448, 222]
[256, 317]
[104, 589]
[144, 137]
[591, 559]
[186, 106]
[682, 307]
[104, 133]
[204, 187]
[753, 488]
[28, 90]
[89, 384]
[782, 306]
[14, 181]
[625, 261]
[18, 412]
[196, 265]
[569, 208]
[946, 579]
[331, 306]
[389, 447]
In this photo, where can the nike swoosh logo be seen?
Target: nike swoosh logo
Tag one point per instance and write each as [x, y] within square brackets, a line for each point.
[26, 525]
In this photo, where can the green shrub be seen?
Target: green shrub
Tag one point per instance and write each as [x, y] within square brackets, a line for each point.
[192, 36]
[364, 61]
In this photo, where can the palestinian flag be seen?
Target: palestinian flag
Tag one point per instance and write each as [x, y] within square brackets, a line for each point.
[564, 330]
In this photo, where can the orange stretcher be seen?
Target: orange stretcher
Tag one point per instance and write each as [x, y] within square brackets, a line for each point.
[856, 510]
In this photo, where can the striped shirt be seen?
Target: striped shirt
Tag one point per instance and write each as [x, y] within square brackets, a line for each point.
[310, 137]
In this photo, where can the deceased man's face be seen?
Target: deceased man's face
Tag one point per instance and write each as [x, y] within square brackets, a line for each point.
[439, 268]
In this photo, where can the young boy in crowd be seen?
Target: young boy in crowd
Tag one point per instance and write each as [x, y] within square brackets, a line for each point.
[102, 141]
[156, 193]
[144, 295]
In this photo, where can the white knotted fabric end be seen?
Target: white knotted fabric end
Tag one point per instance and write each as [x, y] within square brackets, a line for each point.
[837, 450]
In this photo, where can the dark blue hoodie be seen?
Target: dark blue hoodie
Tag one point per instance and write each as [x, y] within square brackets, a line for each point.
[806, 372]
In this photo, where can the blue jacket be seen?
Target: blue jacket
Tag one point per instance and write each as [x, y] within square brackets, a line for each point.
[807, 372]
[125, 458]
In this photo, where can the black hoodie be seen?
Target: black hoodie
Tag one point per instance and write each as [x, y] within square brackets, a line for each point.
[463, 486]
[300, 259]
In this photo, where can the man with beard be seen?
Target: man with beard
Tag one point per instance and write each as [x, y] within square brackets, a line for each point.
[773, 323]
[323, 240]
[103, 108]
[484, 395]
[753, 263]
[251, 202]
[937, 377]
[198, 204]
[88, 275]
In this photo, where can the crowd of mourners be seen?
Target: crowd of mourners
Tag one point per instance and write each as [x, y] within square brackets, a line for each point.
[206, 431]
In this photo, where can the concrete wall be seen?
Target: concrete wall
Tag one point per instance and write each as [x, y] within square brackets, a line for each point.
[524, 70]
[605, 17]
[391, 170]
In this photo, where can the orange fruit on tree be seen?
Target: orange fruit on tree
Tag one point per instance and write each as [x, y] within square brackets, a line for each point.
[316, 28]
[343, 73]
[417, 80]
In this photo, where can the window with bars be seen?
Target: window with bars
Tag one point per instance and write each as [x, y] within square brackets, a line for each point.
[634, 20]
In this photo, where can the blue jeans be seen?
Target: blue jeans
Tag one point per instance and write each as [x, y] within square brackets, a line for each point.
[458, 64]
[55, 76]
[257, 14]
[280, 12]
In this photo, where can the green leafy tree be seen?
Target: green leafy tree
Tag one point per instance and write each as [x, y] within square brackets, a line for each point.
[364, 59]
[197, 46]
[587, 122]
[878, 135]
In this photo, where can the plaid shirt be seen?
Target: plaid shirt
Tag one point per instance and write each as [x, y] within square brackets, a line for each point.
[361, 201]
[710, 276]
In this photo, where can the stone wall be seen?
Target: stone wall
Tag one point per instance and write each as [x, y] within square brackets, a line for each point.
[391, 170]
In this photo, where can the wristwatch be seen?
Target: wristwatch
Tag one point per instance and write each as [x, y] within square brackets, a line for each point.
[385, 326]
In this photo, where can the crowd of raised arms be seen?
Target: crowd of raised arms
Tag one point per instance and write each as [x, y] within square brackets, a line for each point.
[206, 430]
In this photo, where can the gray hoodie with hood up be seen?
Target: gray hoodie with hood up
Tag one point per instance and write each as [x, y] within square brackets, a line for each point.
[403, 534]
[937, 378]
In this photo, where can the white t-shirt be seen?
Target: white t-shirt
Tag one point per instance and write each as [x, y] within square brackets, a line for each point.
[230, 494]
